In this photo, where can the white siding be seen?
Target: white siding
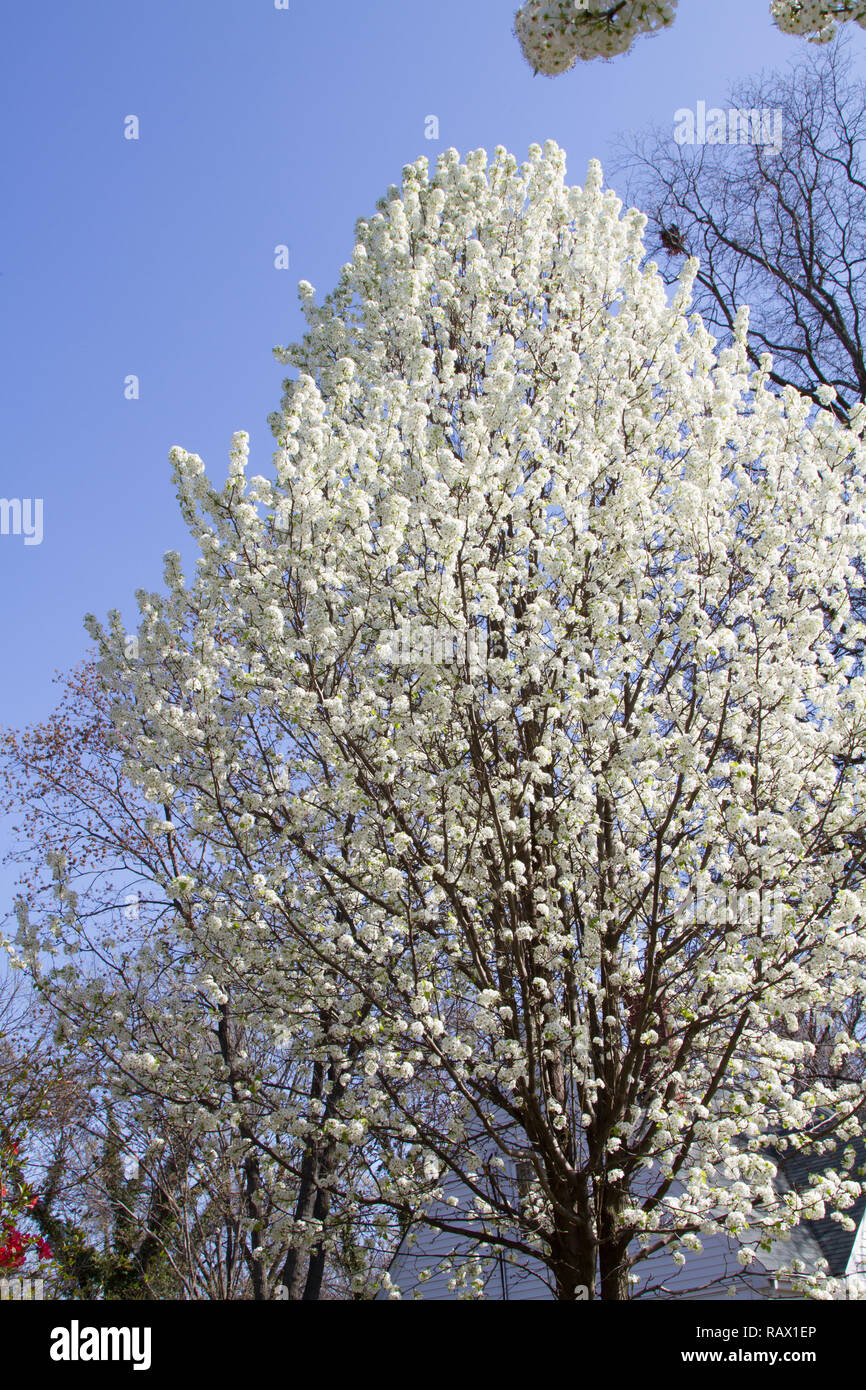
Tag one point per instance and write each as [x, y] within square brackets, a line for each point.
[706, 1276]
[855, 1270]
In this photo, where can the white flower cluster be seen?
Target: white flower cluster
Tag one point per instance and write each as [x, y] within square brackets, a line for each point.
[554, 34]
[816, 19]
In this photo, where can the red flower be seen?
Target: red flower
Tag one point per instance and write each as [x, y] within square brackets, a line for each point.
[14, 1252]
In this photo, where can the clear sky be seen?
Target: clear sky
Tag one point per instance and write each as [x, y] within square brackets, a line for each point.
[258, 126]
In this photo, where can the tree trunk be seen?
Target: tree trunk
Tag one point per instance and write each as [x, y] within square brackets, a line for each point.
[573, 1246]
[316, 1269]
[612, 1248]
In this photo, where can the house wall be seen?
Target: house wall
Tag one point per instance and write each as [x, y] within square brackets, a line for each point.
[855, 1270]
[417, 1269]
[706, 1276]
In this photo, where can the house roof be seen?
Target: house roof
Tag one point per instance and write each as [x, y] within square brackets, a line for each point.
[798, 1166]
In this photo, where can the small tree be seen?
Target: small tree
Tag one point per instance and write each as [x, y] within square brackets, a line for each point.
[192, 1161]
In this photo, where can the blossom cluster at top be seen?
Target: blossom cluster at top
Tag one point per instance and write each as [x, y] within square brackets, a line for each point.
[817, 19]
[555, 33]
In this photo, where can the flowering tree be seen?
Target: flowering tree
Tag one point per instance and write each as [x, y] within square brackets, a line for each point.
[554, 34]
[197, 1148]
[522, 664]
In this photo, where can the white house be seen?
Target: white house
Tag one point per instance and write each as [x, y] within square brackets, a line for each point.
[433, 1264]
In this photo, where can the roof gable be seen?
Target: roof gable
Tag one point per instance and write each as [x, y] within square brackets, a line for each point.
[798, 1166]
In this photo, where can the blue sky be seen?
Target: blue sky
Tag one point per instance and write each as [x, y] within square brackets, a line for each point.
[155, 257]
